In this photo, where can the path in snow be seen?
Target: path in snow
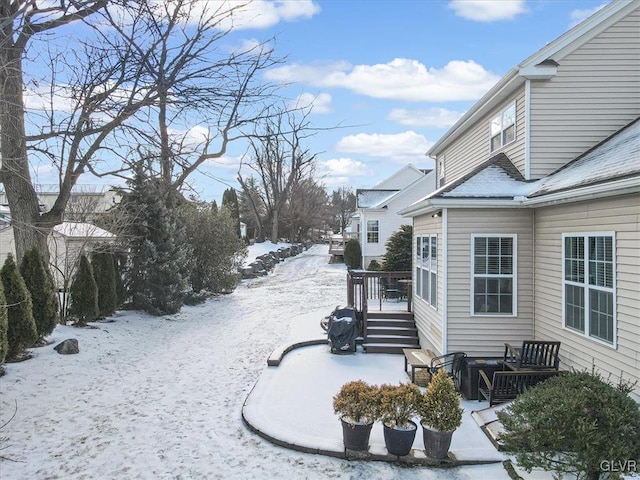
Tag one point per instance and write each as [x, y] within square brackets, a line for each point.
[160, 397]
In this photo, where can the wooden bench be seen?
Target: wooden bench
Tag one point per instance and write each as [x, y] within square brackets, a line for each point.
[533, 355]
[417, 358]
[507, 385]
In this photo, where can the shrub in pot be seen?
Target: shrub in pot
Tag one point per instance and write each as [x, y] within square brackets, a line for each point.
[440, 412]
[398, 405]
[357, 403]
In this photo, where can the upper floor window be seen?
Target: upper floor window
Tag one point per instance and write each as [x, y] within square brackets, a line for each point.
[494, 270]
[588, 285]
[503, 127]
[440, 172]
[373, 234]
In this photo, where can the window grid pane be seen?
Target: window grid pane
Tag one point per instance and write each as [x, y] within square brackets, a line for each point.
[596, 318]
[493, 271]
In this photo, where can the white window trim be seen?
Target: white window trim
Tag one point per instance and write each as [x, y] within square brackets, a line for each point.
[426, 266]
[377, 231]
[515, 127]
[514, 276]
[585, 333]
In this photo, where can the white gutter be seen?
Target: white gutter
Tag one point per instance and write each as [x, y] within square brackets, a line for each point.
[591, 192]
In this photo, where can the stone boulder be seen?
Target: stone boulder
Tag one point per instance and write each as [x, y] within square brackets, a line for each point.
[67, 347]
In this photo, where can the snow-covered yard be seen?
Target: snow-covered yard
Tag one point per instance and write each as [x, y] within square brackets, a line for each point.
[161, 397]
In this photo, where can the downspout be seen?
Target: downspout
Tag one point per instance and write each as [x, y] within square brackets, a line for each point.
[533, 271]
[445, 269]
[527, 130]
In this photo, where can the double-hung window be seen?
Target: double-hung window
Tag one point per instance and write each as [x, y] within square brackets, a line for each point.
[494, 274]
[503, 127]
[588, 285]
[373, 234]
[426, 286]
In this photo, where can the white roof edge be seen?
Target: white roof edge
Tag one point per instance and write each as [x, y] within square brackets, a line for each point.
[406, 189]
[513, 78]
[396, 173]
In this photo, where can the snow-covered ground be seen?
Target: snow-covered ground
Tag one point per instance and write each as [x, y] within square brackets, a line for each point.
[161, 397]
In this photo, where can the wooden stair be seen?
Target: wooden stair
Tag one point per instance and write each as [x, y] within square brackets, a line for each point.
[390, 332]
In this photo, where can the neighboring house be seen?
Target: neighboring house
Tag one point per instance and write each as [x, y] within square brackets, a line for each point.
[85, 202]
[376, 217]
[534, 230]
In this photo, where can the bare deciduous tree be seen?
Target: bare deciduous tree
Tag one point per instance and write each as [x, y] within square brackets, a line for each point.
[148, 73]
[280, 161]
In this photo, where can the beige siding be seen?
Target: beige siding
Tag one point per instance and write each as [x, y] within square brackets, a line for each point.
[595, 93]
[472, 148]
[480, 335]
[622, 216]
[428, 319]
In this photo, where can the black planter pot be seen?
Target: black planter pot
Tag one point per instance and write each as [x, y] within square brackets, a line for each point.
[399, 442]
[356, 436]
[436, 443]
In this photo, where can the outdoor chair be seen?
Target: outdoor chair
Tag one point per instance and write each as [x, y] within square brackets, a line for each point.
[507, 385]
[452, 363]
[533, 355]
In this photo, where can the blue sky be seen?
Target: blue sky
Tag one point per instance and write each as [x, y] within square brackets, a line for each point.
[395, 75]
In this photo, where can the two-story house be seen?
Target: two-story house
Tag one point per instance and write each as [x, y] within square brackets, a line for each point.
[376, 217]
[534, 231]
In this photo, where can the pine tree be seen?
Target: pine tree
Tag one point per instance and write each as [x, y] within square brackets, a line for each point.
[230, 200]
[158, 268]
[44, 297]
[84, 294]
[353, 254]
[4, 343]
[105, 276]
[119, 262]
[21, 330]
[398, 255]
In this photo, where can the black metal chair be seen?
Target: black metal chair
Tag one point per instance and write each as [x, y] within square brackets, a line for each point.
[452, 363]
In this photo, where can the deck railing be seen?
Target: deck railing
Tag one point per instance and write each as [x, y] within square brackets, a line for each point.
[368, 288]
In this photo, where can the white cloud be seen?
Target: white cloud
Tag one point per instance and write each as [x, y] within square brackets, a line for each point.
[344, 167]
[578, 16]
[227, 162]
[320, 103]
[488, 10]
[260, 14]
[400, 147]
[401, 79]
[431, 117]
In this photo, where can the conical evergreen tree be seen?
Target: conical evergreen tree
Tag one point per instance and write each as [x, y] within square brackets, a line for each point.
[84, 294]
[44, 297]
[119, 262]
[4, 342]
[158, 266]
[398, 255]
[104, 274]
[353, 254]
[21, 330]
[230, 200]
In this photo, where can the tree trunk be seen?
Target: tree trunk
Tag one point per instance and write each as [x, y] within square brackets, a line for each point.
[14, 174]
[274, 226]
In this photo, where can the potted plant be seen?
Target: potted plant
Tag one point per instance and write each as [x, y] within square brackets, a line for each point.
[441, 413]
[357, 404]
[398, 405]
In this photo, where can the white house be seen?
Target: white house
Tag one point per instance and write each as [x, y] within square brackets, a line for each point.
[376, 217]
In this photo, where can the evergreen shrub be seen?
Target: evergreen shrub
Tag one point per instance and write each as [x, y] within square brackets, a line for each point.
[353, 254]
[398, 255]
[21, 329]
[44, 296]
[4, 343]
[575, 423]
[84, 294]
[103, 265]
